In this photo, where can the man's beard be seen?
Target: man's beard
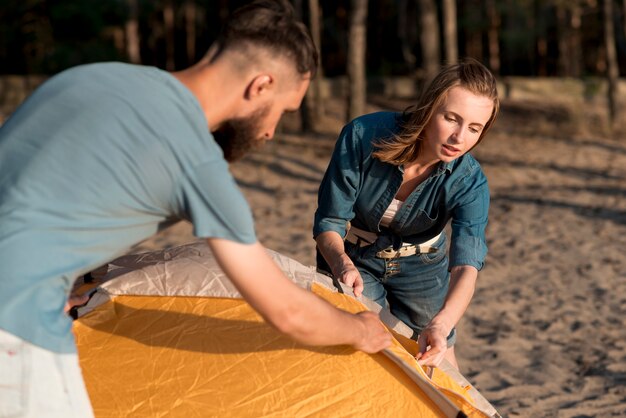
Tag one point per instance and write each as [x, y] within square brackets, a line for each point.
[238, 136]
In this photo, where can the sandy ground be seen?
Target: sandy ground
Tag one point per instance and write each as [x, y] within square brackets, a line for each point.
[545, 335]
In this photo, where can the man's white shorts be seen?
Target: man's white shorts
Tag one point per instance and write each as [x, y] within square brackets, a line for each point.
[35, 382]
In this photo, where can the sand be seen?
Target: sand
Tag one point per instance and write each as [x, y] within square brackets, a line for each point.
[545, 335]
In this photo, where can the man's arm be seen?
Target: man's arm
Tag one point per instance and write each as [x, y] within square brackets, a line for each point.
[302, 315]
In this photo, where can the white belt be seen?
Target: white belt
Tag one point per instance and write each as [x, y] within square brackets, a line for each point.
[364, 238]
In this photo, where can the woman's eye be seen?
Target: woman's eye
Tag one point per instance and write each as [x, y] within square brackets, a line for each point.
[473, 130]
[449, 119]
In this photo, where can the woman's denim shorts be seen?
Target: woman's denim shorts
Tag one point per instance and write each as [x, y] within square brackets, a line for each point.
[413, 288]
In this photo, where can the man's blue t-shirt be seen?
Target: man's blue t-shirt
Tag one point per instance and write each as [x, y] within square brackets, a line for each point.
[97, 159]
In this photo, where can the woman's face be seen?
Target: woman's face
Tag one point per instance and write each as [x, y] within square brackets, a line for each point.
[456, 125]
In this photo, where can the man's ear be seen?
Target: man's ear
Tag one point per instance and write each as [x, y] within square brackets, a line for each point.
[259, 86]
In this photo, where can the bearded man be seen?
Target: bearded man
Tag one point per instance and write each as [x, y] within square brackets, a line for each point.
[102, 156]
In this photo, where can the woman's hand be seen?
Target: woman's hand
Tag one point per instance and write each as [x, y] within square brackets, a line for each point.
[462, 284]
[350, 276]
[330, 244]
[434, 335]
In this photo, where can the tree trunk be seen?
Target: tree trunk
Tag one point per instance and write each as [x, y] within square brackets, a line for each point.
[575, 37]
[306, 124]
[406, 41]
[190, 30]
[131, 30]
[429, 38]
[450, 31]
[117, 34]
[493, 36]
[563, 33]
[168, 21]
[356, 58]
[612, 68]
[624, 15]
[541, 9]
[312, 111]
[472, 33]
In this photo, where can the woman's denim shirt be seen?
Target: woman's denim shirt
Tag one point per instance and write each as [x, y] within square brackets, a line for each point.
[358, 188]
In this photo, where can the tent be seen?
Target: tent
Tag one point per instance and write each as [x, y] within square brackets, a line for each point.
[167, 334]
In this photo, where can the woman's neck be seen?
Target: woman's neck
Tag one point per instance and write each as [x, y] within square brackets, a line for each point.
[414, 174]
[419, 168]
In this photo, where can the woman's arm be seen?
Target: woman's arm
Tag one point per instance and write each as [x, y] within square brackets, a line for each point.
[302, 315]
[330, 245]
[467, 254]
[460, 293]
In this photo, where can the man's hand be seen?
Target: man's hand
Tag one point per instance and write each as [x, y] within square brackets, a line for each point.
[375, 334]
[435, 336]
[300, 314]
[75, 300]
[350, 276]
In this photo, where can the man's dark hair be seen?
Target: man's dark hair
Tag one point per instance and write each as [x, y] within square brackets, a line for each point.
[271, 24]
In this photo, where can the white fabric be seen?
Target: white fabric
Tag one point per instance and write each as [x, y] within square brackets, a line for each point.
[391, 211]
[35, 382]
[191, 270]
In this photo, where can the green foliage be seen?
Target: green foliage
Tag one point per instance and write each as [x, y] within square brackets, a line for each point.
[47, 36]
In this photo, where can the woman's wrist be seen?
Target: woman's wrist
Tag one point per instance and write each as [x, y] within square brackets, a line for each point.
[441, 322]
[343, 262]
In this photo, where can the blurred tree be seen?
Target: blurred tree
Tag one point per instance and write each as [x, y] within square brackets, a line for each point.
[493, 38]
[472, 23]
[82, 32]
[429, 38]
[541, 9]
[406, 32]
[313, 109]
[612, 71]
[36, 34]
[168, 23]
[624, 14]
[191, 14]
[356, 58]
[306, 122]
[569, 37]
[519, 37]
[450, 31]
[131, 29]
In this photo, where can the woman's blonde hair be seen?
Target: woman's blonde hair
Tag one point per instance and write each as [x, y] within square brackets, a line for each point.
[470, 74]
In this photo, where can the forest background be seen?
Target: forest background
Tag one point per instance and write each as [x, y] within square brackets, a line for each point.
[365, 40]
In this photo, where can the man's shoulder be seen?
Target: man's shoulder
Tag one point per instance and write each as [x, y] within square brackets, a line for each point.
[109, 67]
[101, 78]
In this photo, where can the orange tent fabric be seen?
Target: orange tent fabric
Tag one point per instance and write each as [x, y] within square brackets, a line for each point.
[178, 355]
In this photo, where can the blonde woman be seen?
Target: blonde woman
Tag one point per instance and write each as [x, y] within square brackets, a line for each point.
[394, 181]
